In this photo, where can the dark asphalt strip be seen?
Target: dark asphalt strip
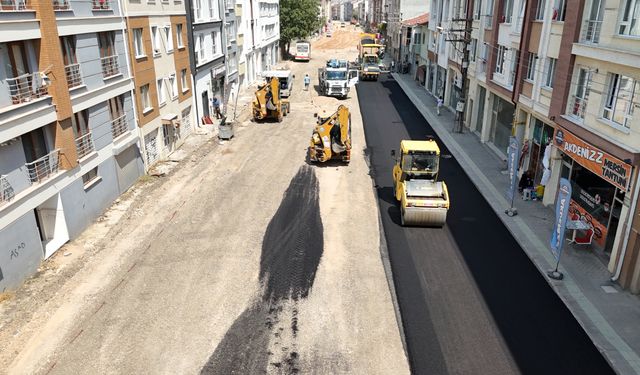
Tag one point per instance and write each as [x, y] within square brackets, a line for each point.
[291, 252]
[540, 332]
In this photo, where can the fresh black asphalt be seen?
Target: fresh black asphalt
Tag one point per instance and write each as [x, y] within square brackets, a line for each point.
[538, 334]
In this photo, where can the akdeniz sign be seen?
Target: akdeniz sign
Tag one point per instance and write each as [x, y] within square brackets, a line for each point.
[562, 212]
[513, 157]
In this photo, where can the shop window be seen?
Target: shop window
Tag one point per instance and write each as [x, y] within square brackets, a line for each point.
[542, 135]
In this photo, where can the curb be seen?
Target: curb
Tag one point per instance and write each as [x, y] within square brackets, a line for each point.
[623, 359]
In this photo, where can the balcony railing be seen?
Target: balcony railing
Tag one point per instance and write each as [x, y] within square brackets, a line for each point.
[73, 75]
[84, 145]
[488, 21]
[61, 5]
[26, 87]
[578, 106]
[101, 4]
[119, 126]
[6, 191]
[109, 66]
[43, 168]
[7, 5]
[591, 31]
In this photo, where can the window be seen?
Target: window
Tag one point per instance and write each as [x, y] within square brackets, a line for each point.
[173, 86]
[200, 48]
[183, 80]
[162, 99]
[531, 66]
[146, 99]
[578, 102]
[155, 40]
[169, 37]
[507, 10]
[540, 9]
[550, 72]
[477, 9]
[502, 53]
[630, 21]
[116, 107]
[618, 106]
[106, 43]
[137, 40]
[80, 122]
[179, 35]
[90, 176]
[559, 9]
[473, 48]
[197, 7]
[214, 40]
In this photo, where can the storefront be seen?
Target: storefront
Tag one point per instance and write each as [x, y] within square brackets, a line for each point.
[501, 123]
[599, 182]
[540, 139]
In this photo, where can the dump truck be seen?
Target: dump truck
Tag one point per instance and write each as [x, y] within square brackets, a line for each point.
[334, 80]
[268, 102]
[424, 201]
[331, 137]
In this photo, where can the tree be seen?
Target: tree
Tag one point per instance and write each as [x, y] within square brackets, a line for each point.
[298, 19]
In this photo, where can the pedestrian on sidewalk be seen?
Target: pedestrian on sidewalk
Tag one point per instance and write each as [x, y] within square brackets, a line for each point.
[216, 107]
[440, 104]
[307, 80]
[393, 65]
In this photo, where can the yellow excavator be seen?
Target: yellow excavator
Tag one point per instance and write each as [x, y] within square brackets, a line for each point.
[424, 201]
[331, 138]
[268, 102]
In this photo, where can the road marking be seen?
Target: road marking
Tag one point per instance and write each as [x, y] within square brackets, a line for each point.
[498, 203]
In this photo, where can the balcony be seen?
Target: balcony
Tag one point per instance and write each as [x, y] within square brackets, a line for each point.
[6, 191]
[27, 87]
[61, 5]
[110, 66]
[119, 126]
[101, 4]
[43, 168]
[74, 78]
[84, 145]
[578, 107]
[9, 5]
[591, 31]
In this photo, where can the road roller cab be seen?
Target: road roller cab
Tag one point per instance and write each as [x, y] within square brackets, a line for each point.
[424, 201]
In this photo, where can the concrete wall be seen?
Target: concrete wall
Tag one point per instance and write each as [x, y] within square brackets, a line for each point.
[129, 166]
[88, 55]
[13, 165]
[20, 251]
[82, 206]
[84, 8]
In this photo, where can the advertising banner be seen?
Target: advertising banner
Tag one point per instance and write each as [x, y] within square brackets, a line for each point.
[513, 157]
[562, 212]
[577, 212]
[605, 165]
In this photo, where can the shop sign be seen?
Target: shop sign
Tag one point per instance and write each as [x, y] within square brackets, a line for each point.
[605, 165]
[576, 212]
[562, 212]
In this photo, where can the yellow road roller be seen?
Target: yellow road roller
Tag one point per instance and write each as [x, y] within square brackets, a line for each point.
[424, 201]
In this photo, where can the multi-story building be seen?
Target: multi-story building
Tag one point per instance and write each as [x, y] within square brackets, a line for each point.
[260, 27]
[159, 58]
[231, 50]
[208, 72]
[68, 143]
[397, 11]
[565, 83]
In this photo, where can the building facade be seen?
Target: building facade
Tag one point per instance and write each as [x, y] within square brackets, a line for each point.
[260, 30]
[208, 71]
[157, 39]
[567, 85]
[68, 142]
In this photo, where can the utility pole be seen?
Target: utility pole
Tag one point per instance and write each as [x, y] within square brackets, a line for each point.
[464, 66]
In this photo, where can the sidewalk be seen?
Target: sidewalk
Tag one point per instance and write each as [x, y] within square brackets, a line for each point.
[609, 315]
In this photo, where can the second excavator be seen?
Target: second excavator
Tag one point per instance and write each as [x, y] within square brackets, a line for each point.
[268, 102]
[331, 138]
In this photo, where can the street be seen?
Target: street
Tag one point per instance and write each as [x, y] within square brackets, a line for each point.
[471, 300]
[242, 260]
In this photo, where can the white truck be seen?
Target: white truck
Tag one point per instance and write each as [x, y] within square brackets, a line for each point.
[336, 78]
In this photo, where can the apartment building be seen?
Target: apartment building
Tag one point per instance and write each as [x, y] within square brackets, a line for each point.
[159, 55]
[260, 30]
[68, 144]
[231, 51]
[567, 85]
[395, 13]
[208, 71]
